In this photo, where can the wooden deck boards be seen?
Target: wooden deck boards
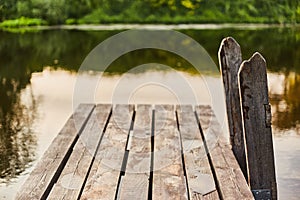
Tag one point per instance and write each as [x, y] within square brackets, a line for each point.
[199, 175]
[72, 177]
[135, 183]
[138, 152]
[168, 175]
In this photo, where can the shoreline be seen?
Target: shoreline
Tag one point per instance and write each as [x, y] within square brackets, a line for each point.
[91, 27]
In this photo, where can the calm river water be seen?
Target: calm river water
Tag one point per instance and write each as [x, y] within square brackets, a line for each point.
[38, 73]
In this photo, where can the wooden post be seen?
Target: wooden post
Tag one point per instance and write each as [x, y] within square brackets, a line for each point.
[257, 127]
[230, 59]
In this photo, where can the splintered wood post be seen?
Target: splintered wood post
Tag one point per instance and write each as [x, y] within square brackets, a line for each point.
[257, 127]
[230, 59]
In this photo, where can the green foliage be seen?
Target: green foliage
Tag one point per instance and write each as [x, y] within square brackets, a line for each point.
[23, 21]
[298, 14]
[153, 11]
[7, 9]
[71, 21]
[74, 9]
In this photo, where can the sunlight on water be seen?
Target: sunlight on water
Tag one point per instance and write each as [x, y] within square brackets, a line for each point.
[52, 93]
[286, 131]
[52, 90]
[36, 100]
[287, 151]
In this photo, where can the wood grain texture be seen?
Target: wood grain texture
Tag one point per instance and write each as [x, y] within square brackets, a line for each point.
[104, 175]
[229, 177]
[230, 59]
[70, 170]
[135, 183]
[136, 187]
[256, 116]
[44, 175]
[168, 176]
[199, 175]
[75, 171]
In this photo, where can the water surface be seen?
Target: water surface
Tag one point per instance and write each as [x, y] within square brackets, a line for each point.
[38, 72]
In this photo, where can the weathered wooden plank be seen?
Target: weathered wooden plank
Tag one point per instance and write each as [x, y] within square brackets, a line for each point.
[199, 175]
[257, 124]
[229, 177]
[103, 178]
[44, 175]
[140, 146]
[75, 171]
[230, 59]
[135, 183]
[168, 176]
[136, 186]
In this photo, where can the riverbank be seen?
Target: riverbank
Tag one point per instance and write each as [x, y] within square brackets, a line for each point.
[90, 27]
[39, 71]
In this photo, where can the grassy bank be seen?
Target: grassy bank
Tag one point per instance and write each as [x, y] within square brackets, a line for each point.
[16, 13]
[91, 20]
[23, 22]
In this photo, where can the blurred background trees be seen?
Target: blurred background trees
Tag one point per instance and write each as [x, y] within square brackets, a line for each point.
[153, 11]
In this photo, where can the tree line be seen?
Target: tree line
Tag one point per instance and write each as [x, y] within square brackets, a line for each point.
[152, 11]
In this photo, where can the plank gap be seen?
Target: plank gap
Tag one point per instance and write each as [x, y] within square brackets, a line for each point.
[119, 190]
[152, 155]
[182, 157]
[126, 153]
[209, 157]
[168, 178]
[66, 158]
[98, 145]
[128, 146]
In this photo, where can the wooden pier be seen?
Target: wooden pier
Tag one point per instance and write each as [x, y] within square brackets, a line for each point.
[166, 151]
[138, 152]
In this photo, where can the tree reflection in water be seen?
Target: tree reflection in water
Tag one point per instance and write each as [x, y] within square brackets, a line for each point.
[286, 113]
[26, 53]
[17, 113]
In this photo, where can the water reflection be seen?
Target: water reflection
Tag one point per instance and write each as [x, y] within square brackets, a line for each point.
[68, 48]
[17, 138]
[35, 99]
[287, 151]
[286, 103]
